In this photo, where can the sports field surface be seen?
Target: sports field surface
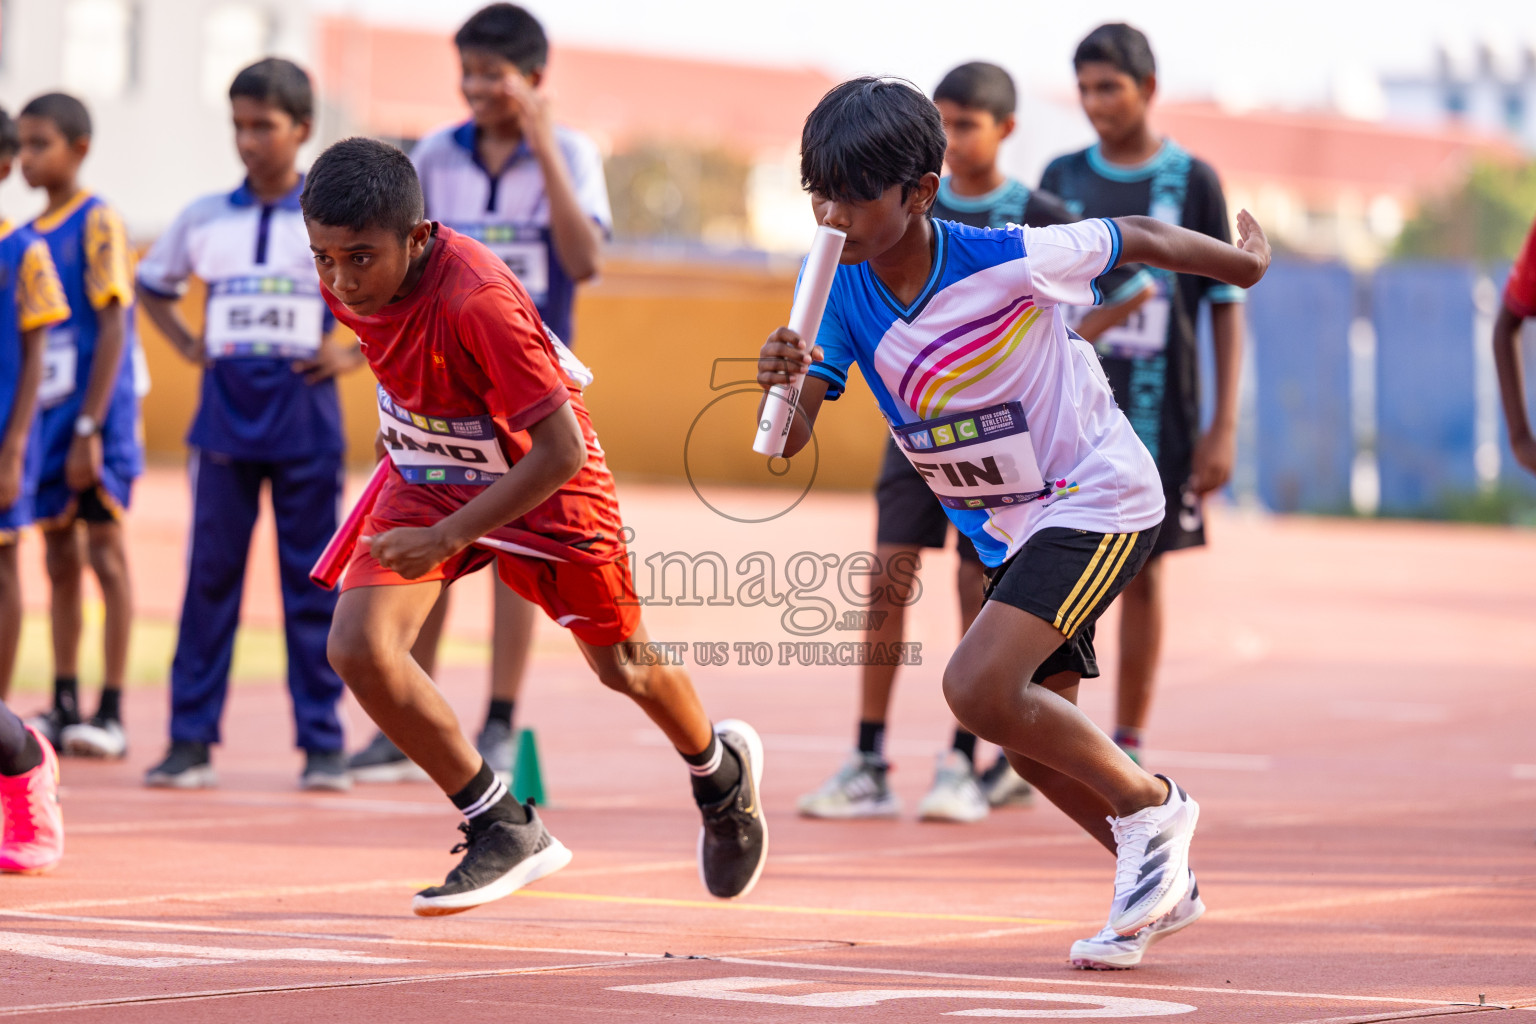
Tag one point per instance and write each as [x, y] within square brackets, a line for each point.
[1351, 702]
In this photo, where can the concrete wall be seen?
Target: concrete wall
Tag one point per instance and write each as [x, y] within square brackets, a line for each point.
[654, 335]
[162, 137]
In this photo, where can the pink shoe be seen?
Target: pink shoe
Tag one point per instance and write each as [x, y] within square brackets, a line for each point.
[33, 838]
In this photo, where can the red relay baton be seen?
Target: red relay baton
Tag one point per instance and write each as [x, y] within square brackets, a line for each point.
[333, 560]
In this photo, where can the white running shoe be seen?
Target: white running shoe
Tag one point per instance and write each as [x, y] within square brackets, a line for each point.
[1005, 787]
[1107, 951]
[858, 790]
[1152, 860]
[100, 737]
[955, 795]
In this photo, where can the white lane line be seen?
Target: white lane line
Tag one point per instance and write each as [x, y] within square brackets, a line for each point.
[1082, 984]
[88, 949]
[229, 993]
[1273, 910]
[920, 850]
[208, 929]
[748, 989]
[1455, 1009]
[228, 894]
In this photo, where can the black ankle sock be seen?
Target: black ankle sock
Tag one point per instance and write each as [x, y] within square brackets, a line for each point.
[111, 705]
[715, 771]
[501, 711]
[487, 799]
[965, 742]
[23, 758]
[66, 696]
[872, 738]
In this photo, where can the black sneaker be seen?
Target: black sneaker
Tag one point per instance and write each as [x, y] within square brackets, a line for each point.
[325, 770]
[499, 859]
[382, 761]
[186, 766]
[52, 724]
[733, 842]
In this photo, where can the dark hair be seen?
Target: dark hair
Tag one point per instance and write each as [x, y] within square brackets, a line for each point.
[509, 32]
[867, 135]
[979, 86]
[361, 183]
[1120, 45]
[278, 83]
[10, 138]
[67, 113]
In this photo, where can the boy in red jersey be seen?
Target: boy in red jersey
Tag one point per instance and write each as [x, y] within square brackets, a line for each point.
[496, 461]
[1518, 306]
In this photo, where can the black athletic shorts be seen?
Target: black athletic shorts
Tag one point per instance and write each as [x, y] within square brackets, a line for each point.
[94, 506]
[908, 513]
[1068, 577]
[1183, 515]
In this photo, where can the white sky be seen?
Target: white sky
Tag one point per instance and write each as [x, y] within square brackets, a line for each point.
[1253, 53]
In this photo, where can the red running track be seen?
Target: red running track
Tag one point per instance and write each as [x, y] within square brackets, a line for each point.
[1352, 703]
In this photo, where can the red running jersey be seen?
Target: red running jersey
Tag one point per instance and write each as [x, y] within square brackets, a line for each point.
[1520, 292]
[464, 367]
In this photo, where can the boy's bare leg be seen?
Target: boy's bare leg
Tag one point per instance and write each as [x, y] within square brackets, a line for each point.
[109, 561]
[370, 648]
[10, 616]
[988, 688]
[65, 560]
[424, 648]
[511, 639]
[1141, 645]
[663, 692]
[876, 682]
[1076, 800]
[970, 586]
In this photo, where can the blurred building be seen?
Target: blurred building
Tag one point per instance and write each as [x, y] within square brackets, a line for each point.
[696, 150]
[1325, 185]
[155, 76]
[1484, 93]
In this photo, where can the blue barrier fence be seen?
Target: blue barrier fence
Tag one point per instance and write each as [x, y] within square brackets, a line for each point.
[1418, 406]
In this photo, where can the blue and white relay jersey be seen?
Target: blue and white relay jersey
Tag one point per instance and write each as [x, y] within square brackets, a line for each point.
[508, 210]
[997, 404]
[264, 313]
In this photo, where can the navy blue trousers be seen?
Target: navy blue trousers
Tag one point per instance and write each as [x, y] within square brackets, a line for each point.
[226, 495]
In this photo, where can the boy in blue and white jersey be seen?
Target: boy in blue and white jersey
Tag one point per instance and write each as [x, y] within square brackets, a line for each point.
[268, 414]
[90, 439]
[1006, 413]
[977, 102]
[31, 301]
[533, 192]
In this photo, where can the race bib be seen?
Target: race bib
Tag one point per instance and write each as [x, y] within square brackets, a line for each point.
[1144, 333]
[60, 358]
[524, 248]
[263, 317]
[975, 460]
[434, 450]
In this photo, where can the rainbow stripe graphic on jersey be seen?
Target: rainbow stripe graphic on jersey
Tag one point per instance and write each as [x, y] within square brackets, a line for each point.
[961, 357]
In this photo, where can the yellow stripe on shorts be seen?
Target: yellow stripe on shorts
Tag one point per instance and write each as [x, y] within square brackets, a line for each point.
[1093, 563]
[1126, 544]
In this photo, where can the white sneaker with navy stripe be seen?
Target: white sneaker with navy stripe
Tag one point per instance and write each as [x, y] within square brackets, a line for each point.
[1107, 951]
[858, 790]
[1152, 860]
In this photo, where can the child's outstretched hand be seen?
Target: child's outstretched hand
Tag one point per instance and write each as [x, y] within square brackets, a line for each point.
[783, 357]
[1250, 239]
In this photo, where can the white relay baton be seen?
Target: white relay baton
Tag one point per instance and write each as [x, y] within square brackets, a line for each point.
[804, 319]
